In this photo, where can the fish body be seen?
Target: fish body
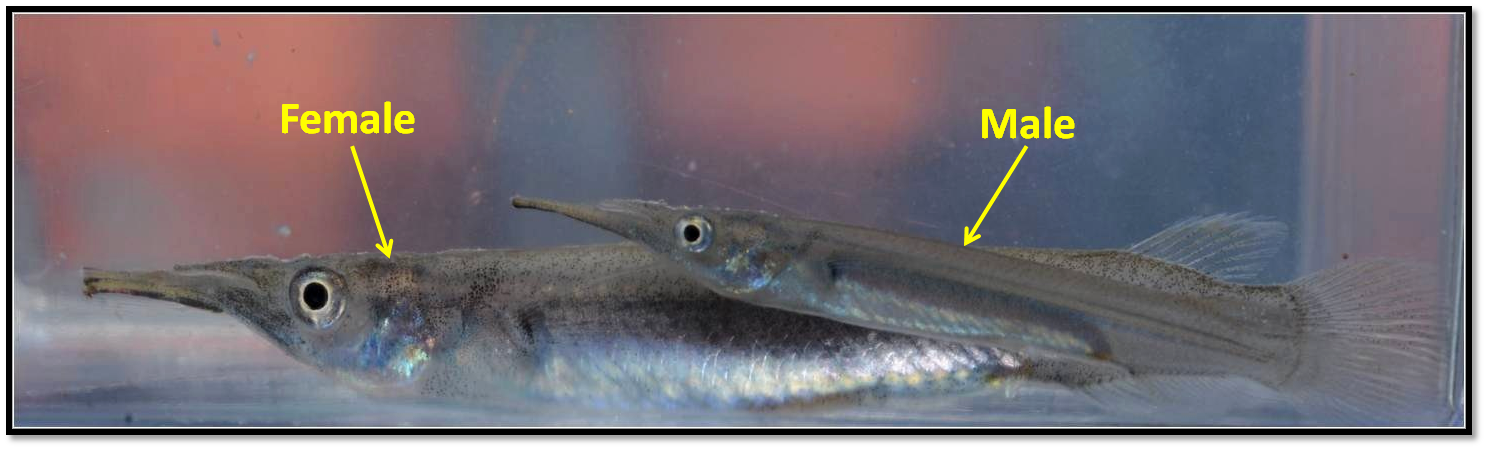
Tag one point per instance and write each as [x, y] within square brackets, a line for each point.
[604, 326]
[904, 284]
[1358, 340]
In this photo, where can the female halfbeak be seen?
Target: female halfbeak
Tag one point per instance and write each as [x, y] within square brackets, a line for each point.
[200, 289]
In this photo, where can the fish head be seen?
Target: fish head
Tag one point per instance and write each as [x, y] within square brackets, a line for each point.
[733, 252]
[362, 317]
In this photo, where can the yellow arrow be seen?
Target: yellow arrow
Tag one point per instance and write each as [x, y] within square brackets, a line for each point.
[970, 234]
[386, 245]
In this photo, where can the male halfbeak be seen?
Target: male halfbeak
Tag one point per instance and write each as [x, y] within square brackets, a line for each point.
[636, 220]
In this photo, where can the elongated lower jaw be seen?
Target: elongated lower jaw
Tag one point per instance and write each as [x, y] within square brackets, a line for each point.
[575, 211]
[180, 288]
[522, 202]
[616, 219]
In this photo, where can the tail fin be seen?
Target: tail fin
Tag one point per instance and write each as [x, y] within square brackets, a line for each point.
[1372, 345]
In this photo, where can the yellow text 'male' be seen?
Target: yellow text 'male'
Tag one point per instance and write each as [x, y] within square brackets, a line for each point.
[1031, 126]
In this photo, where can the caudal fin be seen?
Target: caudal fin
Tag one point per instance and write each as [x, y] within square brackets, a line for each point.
[1372, 345]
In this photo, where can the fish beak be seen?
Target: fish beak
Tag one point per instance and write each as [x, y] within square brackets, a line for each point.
[631, 219]
[200, 289]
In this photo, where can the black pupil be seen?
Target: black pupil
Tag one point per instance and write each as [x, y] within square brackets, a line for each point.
[691, 233]
[315, 295]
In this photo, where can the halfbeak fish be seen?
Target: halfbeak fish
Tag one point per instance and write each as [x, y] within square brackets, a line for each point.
[1360, 340]
[595, 325]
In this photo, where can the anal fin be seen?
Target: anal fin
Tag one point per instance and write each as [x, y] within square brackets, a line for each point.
[1203, 398]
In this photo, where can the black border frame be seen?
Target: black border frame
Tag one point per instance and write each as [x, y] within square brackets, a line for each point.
[1470, 434]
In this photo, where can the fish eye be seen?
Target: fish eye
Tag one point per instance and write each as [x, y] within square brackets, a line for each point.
[316, 298]
[694, 233]
[315, 295]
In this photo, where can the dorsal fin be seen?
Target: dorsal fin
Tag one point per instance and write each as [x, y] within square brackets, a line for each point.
[1236, 250]
[1231, 247]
